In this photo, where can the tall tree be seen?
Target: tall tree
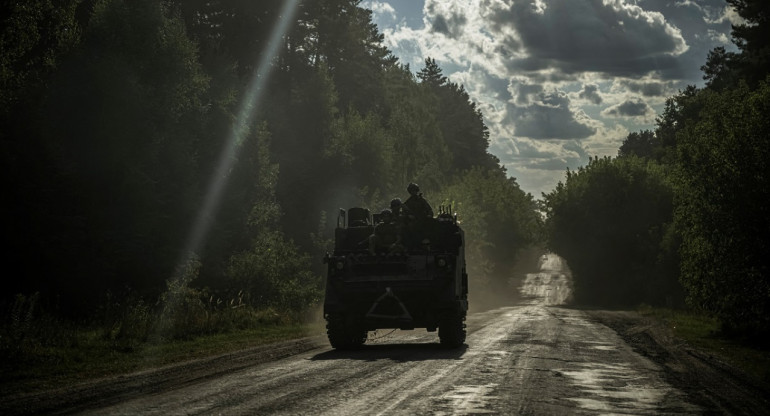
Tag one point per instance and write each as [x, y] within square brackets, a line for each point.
[641, 144]
[432, 75]
[35, 35]
[114, 139]
[724, 69]
[721, 211]
[350, 44]
[462, 124]
[753, 36]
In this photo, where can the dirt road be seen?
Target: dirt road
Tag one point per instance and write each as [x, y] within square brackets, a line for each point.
[536, 358]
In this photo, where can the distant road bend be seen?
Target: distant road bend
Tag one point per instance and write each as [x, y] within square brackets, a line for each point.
[536, 358]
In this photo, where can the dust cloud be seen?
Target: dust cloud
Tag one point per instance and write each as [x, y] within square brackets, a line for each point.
[537, 277]
[542, 278]
[552, 283]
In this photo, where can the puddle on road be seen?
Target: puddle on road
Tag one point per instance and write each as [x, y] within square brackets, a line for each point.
[604, 347]
[601, 346]
[497, 355]
[469, 400]
[615, 389]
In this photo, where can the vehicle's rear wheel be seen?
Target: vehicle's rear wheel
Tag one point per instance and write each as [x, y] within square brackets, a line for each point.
[451, 330]
[343, 336]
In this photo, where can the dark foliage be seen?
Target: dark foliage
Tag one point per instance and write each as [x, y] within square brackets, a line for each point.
[611, 221]
[722, 212]
[751, 64]
[687, 200]
[140, 137]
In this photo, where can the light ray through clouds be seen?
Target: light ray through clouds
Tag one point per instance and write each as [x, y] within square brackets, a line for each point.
[245, 118]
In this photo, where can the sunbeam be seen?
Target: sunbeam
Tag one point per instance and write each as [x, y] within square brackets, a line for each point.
[246, 113]
[247, 110]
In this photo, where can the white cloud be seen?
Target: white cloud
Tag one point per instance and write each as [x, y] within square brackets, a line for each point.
[446, 18]
[550, 116]
[558, 80]
[606, 141]
[718, 37]
[610, 36]
[726, 14]
[591, 94]
[647, 87]
[631, 108]
[380, 9]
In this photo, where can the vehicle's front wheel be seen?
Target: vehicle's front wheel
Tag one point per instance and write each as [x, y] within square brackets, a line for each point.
[451, 330]
[343, 336]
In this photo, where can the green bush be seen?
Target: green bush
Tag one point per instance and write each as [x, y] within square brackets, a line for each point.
[274, 274]
[611, 221]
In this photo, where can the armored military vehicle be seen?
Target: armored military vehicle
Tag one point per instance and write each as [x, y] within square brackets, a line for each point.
[390, 272]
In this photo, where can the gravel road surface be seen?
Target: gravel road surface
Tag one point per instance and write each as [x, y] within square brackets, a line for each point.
[536, 358]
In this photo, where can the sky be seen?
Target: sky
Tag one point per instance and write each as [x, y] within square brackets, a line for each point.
[559, 81]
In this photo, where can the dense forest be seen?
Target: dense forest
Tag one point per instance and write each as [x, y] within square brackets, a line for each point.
[680, 215]
[171, 159]
[199, 150]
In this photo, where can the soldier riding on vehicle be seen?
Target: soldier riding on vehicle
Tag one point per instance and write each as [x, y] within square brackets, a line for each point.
[387, 234]
[417, 207]
[374, 281]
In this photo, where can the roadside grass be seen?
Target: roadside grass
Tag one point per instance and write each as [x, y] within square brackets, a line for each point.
[704, 333]
[57, 354]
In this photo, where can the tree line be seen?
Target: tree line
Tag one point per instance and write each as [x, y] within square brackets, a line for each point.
[117, 116]
[679, 216]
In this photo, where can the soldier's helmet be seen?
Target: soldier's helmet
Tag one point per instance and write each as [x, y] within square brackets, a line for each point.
[395, 203]
[413, 188]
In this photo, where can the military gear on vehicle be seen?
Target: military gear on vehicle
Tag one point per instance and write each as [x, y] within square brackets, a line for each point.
[376, 287]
